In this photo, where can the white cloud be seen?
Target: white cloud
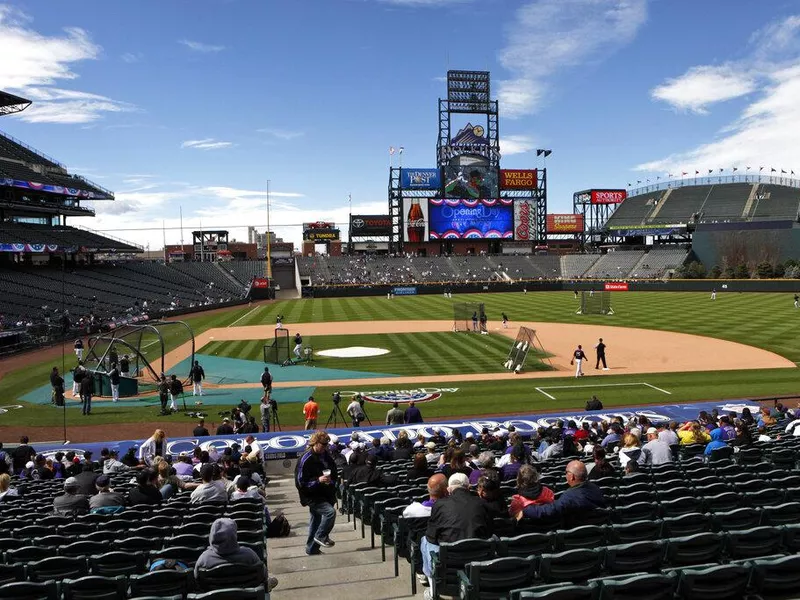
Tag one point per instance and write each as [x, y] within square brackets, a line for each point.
[206, 144]
[132, 57]
[547, 36]
[201, 47]
[766, 131]
[702, 86]
[283, 134]
[33, 63]
[515, 144]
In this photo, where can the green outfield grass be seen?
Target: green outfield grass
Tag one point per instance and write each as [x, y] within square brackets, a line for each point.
[422, 354]
[767, 321]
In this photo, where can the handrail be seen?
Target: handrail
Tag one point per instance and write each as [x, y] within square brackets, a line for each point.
[116, 239]
[714, 180]
[11, 138]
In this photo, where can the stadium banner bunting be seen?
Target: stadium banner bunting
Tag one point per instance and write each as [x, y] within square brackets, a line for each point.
[565, 223]
[279, 445]
[405, 291]
[608, 196]
[377, 225]
[52, 189]
[471, 219]
[260, 282]
[420, 179]
[615, 286]
[524, 220]
[35, 248]
[526, 179]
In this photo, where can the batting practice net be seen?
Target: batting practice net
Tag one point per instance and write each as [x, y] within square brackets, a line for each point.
[278, 351]
[595, 303]
[463, 313]
[515, 360]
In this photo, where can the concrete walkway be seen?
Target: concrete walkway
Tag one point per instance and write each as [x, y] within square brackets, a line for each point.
[350, 570]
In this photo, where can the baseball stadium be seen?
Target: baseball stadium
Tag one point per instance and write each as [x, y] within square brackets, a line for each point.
[671, 303]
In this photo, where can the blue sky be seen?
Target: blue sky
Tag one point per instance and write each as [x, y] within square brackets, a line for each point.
[194, 104]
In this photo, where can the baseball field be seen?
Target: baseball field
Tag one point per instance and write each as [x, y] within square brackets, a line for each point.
[663, 348]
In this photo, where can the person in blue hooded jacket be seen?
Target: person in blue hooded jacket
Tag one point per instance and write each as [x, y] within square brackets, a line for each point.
[716, 441]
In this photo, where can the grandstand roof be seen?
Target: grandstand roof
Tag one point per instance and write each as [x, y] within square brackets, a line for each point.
[9, 103]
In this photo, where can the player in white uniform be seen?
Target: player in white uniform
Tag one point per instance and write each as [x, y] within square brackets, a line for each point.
[578, 357]
[714, 294]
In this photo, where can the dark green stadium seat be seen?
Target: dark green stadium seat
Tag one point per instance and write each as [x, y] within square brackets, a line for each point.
[636, 531]
[492, 579]
[161, 583]
[453, 557]
[558, 592]
[741, 518]
[639, 587]
[640, 511]
[256, 593]
[31, 532]
[639, 557]
[785, 458]
[767, 497]
[12, 573]
[586, 536]
[57, 567]
[84, 548]
[571, 566]
[722, 502]
[688, 524]
[776, 577]
[724, 582]
[781, 514]
[53, 541]
[29, 591]
[748, 456]
[525, 545]
[751, 543]
[227, 576]
[680, 506]
[695, 549]
[184, 554]
[28, 554]
[137, 544]
[111, 564]
[94, 587]
[673, 493]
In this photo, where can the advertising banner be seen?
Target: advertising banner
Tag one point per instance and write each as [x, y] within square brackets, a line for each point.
[260, 282]
[567, 223]
[377, 225]
[471, 219]
[524, 220]
[518, 180]
[473, 181]
[320, 234]
[415, 226]
[420, 179]
[53, 189]
[405, 291]
[615, 286]
[608, 196]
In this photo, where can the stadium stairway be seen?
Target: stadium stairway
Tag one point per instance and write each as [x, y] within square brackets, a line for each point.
[351, 569]
[660, 205]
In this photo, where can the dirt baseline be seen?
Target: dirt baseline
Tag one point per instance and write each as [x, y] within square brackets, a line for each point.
[629, 350]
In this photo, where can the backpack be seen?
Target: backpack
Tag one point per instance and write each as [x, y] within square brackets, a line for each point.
[278, 527]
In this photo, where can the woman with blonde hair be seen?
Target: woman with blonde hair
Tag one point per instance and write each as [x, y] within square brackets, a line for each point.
[5, 486]
[693, 433]
[630, 449]
[168, 482]
[155, 445]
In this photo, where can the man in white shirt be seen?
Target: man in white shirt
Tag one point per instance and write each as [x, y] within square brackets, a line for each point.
[356, 412]
[437, 489]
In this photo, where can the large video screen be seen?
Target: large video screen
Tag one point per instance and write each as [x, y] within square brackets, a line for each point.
[459, 219]
[470, 181]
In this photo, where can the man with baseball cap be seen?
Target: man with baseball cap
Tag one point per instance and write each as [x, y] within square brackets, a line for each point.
[105, 496]
[655, 451]
[71, 502]
[226, 428]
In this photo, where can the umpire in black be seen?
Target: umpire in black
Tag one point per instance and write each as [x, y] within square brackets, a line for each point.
[601, 355]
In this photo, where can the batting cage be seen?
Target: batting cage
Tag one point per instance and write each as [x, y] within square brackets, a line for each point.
[526, 342]
[595, 303]
[278, 351]
[467, 316]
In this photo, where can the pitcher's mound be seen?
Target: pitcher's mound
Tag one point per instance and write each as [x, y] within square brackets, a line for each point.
[353, 352]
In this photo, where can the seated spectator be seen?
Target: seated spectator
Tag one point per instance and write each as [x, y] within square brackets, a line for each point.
[457, 464]
[743, 437]
[489, 492]
[212, 489]
[184, 466]
[71, 502]
[5, 487]
[41, 470]
[572, 504]
[420, 468]
[668, 435]
[437, 489]
[614, 436]
[693, 432]
[168, 482]
[105, 496]
[385, 451]
[86, 479]
[631, 468]
[112, 465]
[130, 460]
[457, 517]
[747, 417]
[145, 491]
[367, 473]
[601, 468]
[485, 463]
[728, 432]
[245, 488]
[509, 471]
[529, 491]
[224, 549]
[630, 449]
[432, 456]
[765, 418]
[584, 434]
[225, 428]
[716, 441]
[655, 451]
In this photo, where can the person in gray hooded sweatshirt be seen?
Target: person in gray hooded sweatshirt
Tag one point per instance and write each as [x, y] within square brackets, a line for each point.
[224, 549]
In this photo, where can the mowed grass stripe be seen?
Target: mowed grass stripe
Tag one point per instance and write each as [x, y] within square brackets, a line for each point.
[448, 358]
[471, 353]
[416, 357]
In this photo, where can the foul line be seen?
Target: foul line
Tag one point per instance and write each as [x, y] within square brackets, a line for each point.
[245, 315]
[569, 387]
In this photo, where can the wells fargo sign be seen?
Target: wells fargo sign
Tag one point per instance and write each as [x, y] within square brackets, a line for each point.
[518, 180]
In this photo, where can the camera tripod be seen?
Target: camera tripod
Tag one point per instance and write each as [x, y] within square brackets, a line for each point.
[276, 422]
[336, 412]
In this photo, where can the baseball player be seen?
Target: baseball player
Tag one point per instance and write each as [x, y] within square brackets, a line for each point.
[505, 321]
[578, 356]
[279, 322]
[714, 294]
[796, 301]
[475, 321]
[298, 346]
[601, 355]
[79, 349]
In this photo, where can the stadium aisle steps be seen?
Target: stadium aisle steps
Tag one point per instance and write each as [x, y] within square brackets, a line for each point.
[351, 569]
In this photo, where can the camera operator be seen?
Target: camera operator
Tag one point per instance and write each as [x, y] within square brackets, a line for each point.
[356, 410]
[267, 406]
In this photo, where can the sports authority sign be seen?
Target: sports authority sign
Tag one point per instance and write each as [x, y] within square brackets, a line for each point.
[615, 286]
[518, 180]
[567, 223]
[524, 220]
[401, 396]
[377, 225]
[608, 196]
